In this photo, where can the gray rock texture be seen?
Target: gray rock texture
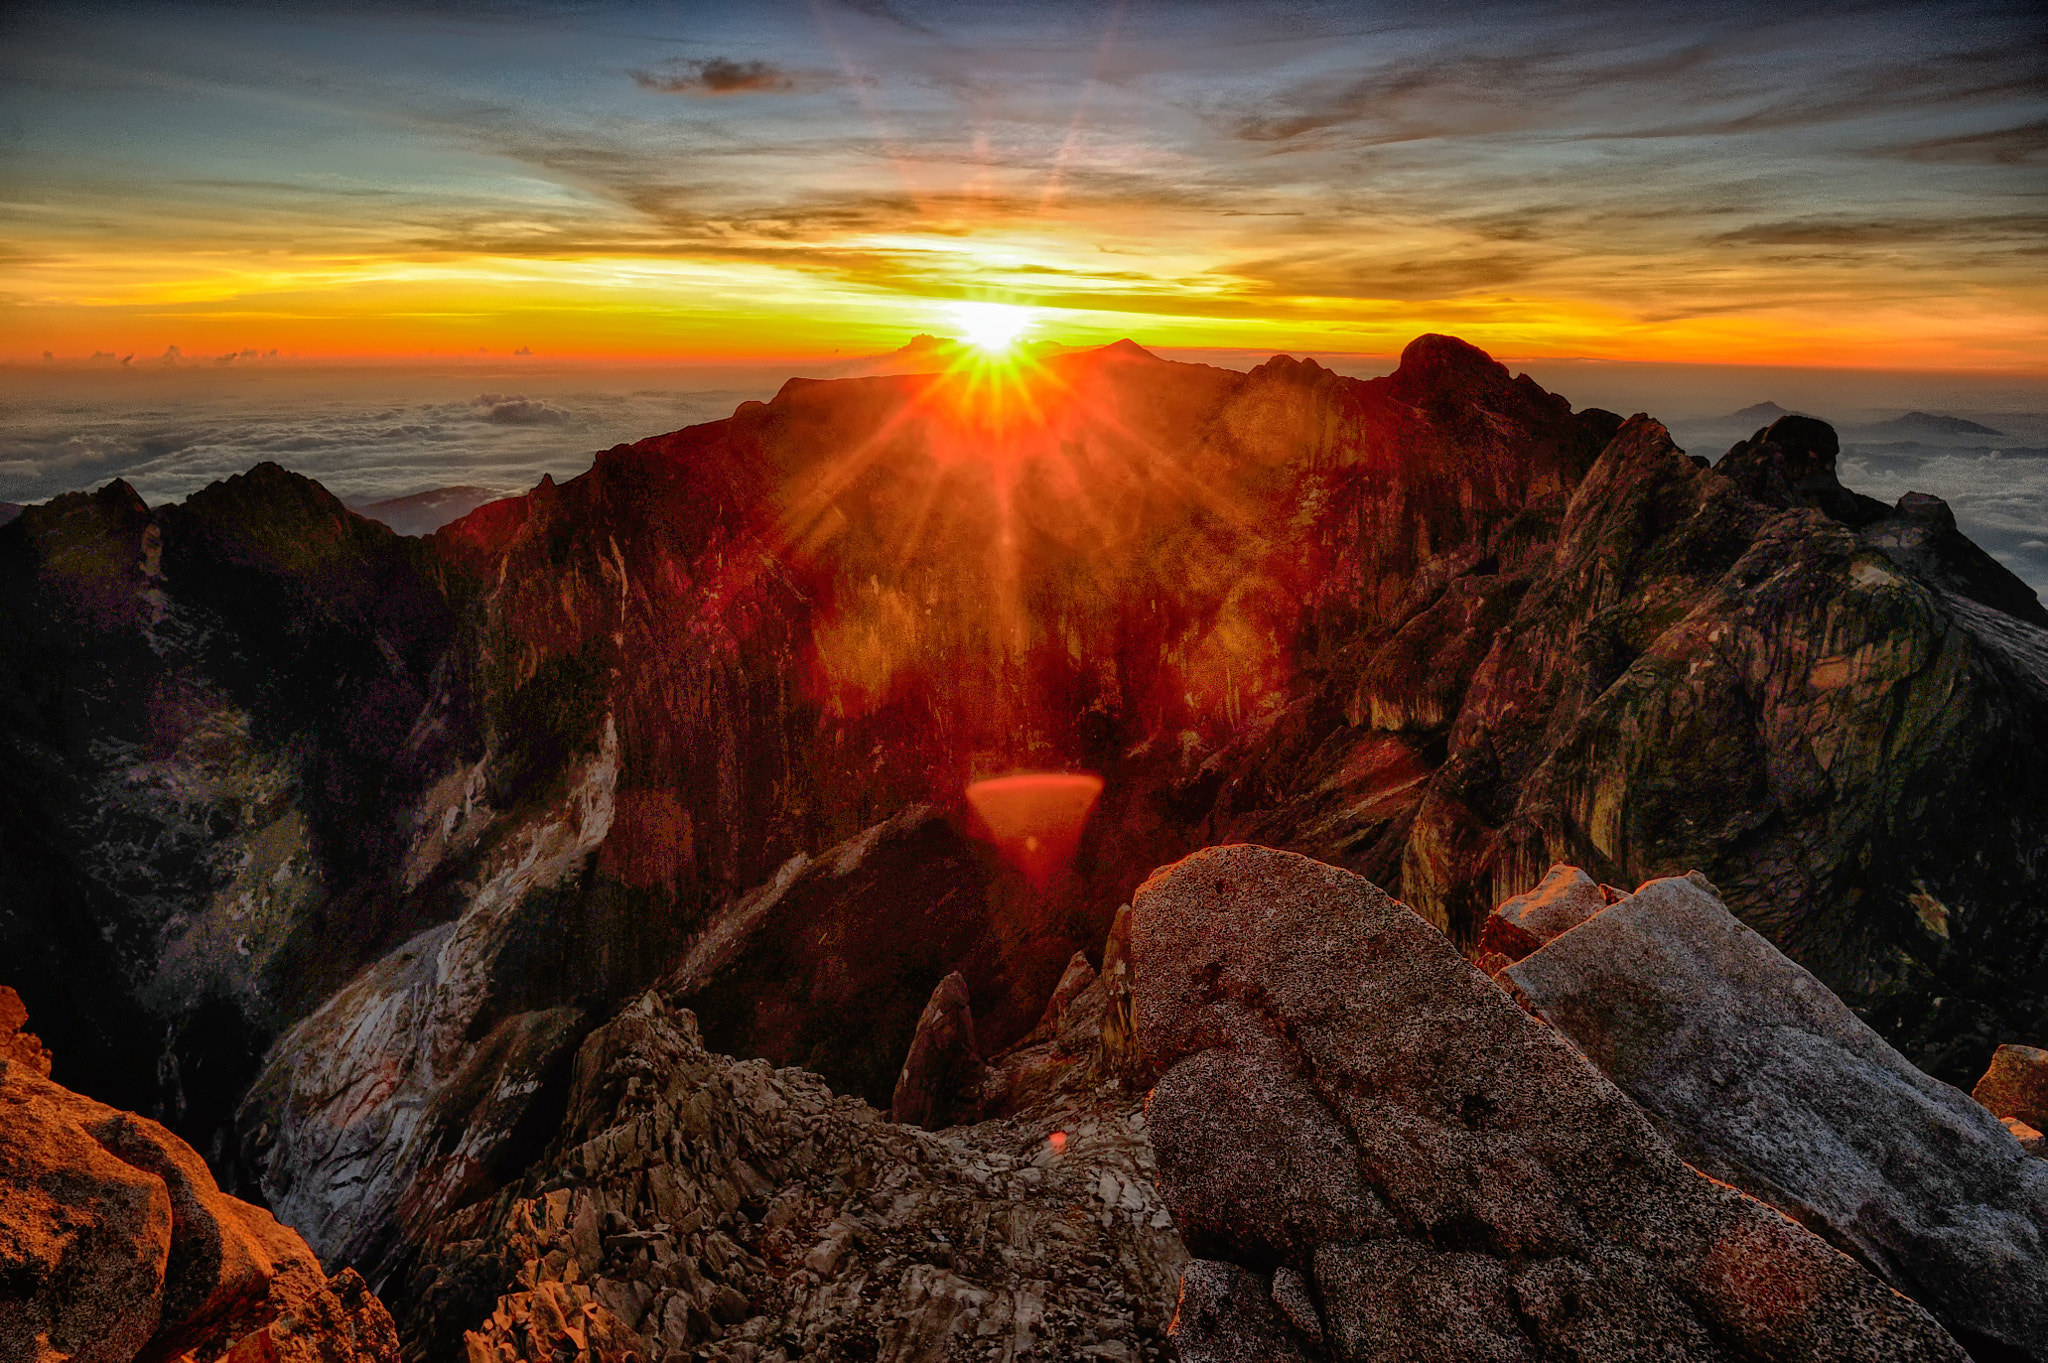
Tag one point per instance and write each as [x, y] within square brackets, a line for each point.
[699, 1207]
[1758, 1075]
[1344, 1096]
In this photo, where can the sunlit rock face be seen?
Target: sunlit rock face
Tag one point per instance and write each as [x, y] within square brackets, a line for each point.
[115, 1243]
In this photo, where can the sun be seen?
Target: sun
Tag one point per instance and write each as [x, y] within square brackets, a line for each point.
[993, 327]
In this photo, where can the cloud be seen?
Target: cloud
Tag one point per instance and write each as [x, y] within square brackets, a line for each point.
[371, 434]
[1363, 275]
[1581, 74]
[2023, 144]
[2023, 227]
[516, 409]
[723, 76]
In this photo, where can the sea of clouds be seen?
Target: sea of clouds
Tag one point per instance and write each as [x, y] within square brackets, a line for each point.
[366, 435]
[373, 434]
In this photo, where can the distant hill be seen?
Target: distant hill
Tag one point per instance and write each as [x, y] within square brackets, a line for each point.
[1761, 414]
[422, 513]
[1928, 424]
[8, 511]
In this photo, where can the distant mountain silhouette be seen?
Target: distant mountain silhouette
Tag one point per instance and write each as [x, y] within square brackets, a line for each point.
[928, 354]
[1762, 412]
[1927, 424]
[420, 513]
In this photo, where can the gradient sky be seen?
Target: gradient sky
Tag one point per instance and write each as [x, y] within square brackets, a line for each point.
[1837, 184]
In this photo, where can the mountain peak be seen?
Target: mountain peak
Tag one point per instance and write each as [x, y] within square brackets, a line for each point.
[1126, 349]
[1931, 423]
[1434, 362]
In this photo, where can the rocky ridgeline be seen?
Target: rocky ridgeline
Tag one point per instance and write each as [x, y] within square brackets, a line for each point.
[699, 1207]
[116, 1244]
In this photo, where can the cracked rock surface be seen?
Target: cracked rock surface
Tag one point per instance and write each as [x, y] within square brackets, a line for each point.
[699, 1207]
[1759, 1076]
[1348, 1106]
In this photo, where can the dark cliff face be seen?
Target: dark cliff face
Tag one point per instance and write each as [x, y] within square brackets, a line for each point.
[473, 792]
[202, 704]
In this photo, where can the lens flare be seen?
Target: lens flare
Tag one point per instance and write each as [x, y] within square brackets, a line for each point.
[1036, 818]
[993, 327]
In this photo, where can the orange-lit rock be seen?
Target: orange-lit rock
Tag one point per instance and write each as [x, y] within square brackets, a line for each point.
[1035, 818]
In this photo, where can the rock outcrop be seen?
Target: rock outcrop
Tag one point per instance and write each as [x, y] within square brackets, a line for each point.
[1745, 670]
[2016, 1085]
[1348, 1104]
[943, 1075]
[699, 1207]
[1759, 1076]
[116, 1244]
[1563, 899]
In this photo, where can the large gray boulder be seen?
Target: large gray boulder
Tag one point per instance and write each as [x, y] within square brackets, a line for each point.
[1345, 1099]
[1758, 1075]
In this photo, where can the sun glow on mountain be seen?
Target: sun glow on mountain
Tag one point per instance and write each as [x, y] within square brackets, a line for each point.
[992, 327]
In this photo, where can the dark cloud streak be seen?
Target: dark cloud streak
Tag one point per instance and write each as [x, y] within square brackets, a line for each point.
[724, 76]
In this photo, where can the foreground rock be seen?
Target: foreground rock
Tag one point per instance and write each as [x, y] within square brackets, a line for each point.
[2016, 1085]
[943, 1075]
[704, 1208]
[1347, 1104]
[115, 1243]
[1758, 1075]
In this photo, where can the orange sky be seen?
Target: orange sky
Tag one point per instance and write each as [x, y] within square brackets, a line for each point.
[1641, 182]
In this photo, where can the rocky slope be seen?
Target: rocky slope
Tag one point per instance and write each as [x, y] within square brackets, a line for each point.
[1816, 700]
[199, 706]
[695, 1206]
[685, 673]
